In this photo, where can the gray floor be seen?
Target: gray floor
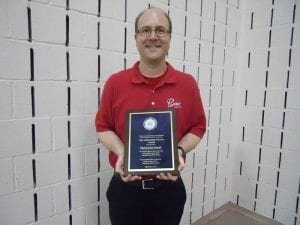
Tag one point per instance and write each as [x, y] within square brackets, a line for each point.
[230, 214]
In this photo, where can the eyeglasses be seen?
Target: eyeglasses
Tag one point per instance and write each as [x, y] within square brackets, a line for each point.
[146, 32]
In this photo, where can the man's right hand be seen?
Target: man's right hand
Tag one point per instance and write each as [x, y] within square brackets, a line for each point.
[120, 169]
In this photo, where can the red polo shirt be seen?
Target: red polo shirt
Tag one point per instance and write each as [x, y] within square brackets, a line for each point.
[129, 90]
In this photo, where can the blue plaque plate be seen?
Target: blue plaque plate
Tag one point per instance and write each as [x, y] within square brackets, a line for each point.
[150, 144]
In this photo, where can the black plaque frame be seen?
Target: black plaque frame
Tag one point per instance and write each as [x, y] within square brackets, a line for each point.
[151, 133]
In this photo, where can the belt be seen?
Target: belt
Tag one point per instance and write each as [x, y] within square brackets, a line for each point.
[148, 184]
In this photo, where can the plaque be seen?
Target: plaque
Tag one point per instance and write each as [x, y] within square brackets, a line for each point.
[150, 146]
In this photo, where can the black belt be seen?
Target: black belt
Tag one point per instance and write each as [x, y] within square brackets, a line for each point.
[147, 184]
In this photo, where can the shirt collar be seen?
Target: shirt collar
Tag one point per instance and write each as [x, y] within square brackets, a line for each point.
[137, 77]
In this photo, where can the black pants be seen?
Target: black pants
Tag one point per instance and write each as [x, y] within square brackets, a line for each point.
[130, 204]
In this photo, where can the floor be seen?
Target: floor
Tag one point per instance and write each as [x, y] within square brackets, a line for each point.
[231, 214]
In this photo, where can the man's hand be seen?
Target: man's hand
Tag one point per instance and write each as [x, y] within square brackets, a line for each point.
[120, 169]
[169, 176]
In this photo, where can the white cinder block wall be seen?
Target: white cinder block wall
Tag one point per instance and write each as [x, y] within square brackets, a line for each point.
[266, 169]
[55, 58]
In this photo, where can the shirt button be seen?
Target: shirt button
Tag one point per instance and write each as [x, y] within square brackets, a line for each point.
[152, 103]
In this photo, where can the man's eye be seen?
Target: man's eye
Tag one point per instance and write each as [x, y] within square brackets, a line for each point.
[145, 31]
[160, 31]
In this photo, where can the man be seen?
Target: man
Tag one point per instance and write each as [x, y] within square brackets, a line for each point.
[152, 83]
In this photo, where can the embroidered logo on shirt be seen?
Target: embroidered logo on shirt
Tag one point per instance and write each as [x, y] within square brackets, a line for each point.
[173, 104]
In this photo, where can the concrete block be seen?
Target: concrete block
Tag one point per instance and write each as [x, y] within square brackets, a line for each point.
[22, 205]
[23, 172]
[197, 200]
[21, 99]
[291, 141]
[234, 16]
[79, 216]
[252, 135]
[206, 53]
[228, 77]
[185, 219]
[275, 98]
[216, 98]
[218, 55]
[42, 57]
[104, 182]
[187, 179]
[277, 78]
[231, 58]
[268, 175]
[228, 97]
[45, 203]
[279, 58]
[257, 38]
[207, 30]
[231, 36]
[50, 99]
[193, 25]
[134, 8]
[269, 156]
[176, 52]
[194, 6]
[221, 12]
[208, 9]
[43, 135]
[14, 53]
[104, 163]
[220, 34]
[251, 116]
[255, 97]
[205, 93]
[113, 9]
[89, 6]
[130, 41]
[57, 219]
[76, 28]
[58, 63]
[293, 99]
[48, 23]
[281, 10]
[273, 118]
[84, 191]
[61, 198]
[83, 131]
[77, 163]
[111, 42]
[91, 214]
[110, 63]
[281, 36]
[17, 17]
[51, 168]
[6, 100]
[198, 178]
[91, 32]
[290, 161]
[6, 176]
[261, 17]
[178, 15]
[13, 134]
[192, 50]
[178, 4]
[91, 160]
[4, 24]
[191, 68]
[204, 74]
[83, 70]
[292, 120]
[288, 181]
[84, 98]
[60, 133]
[104, 214]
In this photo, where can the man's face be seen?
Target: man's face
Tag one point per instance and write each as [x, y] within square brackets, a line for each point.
[153, 48]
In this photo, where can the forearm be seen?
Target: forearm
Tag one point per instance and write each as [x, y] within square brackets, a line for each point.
[112, 142]
[189, 141]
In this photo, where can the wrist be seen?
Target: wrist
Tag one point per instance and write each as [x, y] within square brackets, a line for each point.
[183, 152]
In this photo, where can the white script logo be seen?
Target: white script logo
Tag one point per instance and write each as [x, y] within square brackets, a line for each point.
[173, 104]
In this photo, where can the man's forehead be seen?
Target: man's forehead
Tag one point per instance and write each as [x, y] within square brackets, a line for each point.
[153, 13]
